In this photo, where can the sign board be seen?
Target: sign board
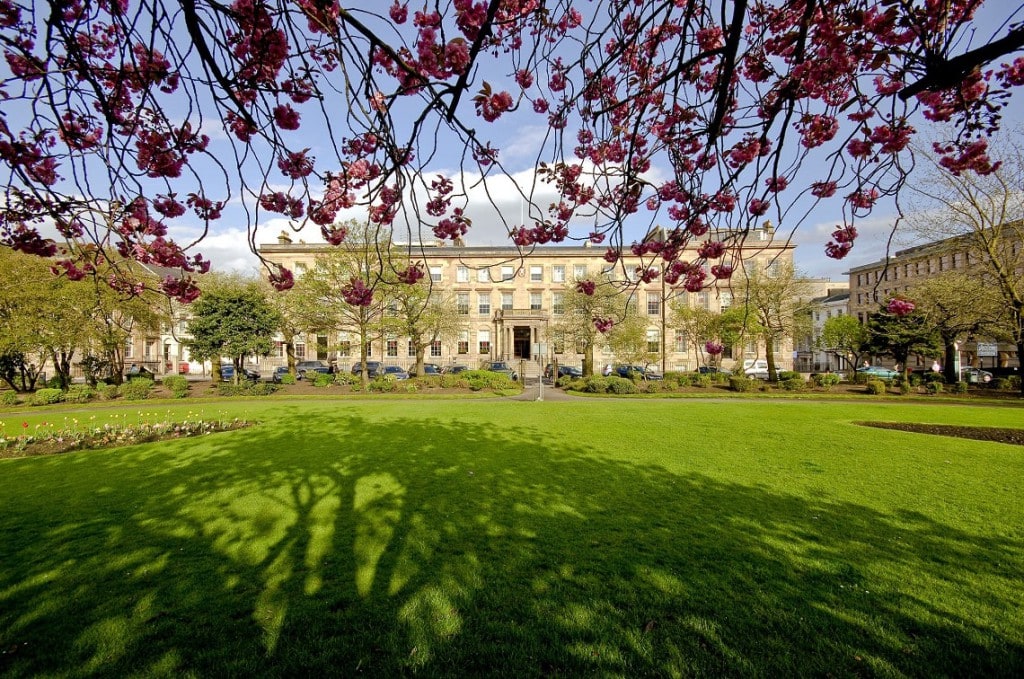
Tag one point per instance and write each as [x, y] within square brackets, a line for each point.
[988, 349]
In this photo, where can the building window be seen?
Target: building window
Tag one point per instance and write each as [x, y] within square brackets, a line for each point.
[300, 269]
[506, 301]
[435, 274]
[724, 299]
[392, 309]
[558, 303]
[462, 302]
[558, 273]
[579, 272]
[653, 341]
[435, 348]
[484, 303]
[344, 348]
[369, 348]
[462, 274]
[507, 273]
[300, 350]
[483, 275]
[392, 348]
[703, 299]
[653, 304]
[681, 342]
[411, 351]
[129, 349]
[536, 274]
[535, 301]
[483, 338]
[463, 346]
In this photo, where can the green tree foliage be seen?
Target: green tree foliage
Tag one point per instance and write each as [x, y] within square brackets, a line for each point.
[232, 318]
[424, 314]
[847, 338]
[902, 336]
[628, 340]
[577, 327]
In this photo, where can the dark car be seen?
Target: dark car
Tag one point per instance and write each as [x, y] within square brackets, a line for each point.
[713, 370]
[628, 371]
[227, 373]
[138, 371]
[394, 372]
[502, 367]
[279, 372]
[563, 371]
[373, 368]
[456, 369]
[428, 369]
[304, 367]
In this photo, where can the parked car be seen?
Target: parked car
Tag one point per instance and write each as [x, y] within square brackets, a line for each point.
[563, 370]
[394, 372]
[713, 370]
[644, 372]
[878, 372]
[373, 368]
[138, 371]
[502, 367]
[428, 369]
[975, 375]
[227, 373]
[303, 367]
[279, 372]
[756, 368]
[456, 369]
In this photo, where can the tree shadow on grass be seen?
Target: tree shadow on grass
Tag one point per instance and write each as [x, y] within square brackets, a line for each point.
[400, 546]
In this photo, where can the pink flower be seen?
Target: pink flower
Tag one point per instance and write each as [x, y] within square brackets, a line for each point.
[900, 307]
[286, 117]
[713, 347]
[603, 325]
[586, 287]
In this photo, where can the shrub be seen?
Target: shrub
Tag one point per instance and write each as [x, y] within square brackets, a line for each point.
[704, 381]
[9, 398]
[323, 380]
[456, 381]
[428, 381]
[347, 379]
[178, 385]
[793, 383]
[915, 379]
[382, 385]
[109, 392]
[288, 378]
[826, 380]
[486, 379]
[740, 383]
[44, 397]
[789, 375]
[934, 387]
[933, 377]
[79, 393]
[572, 383]
[960, 388]
[876, 387]
[904, 386]
[135, 390]
[621, 385]
[261, 389]
[1001, 383]
[564, 381]
[595, 384]
[1014, 381]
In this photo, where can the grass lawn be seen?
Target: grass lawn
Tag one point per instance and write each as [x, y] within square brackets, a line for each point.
[504, 538]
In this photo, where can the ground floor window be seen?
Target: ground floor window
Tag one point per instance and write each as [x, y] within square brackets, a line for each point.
[392, 348]
[435, 348]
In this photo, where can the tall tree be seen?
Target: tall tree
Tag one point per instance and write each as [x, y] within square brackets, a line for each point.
[105, 109]
[984, 215]
[590, 310]
[628, 340]
[902, 335]
[847, 338]
[425, 315]
[233, 319]
[777, 300]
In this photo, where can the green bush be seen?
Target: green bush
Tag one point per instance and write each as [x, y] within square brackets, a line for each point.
[347, 378]
[793, 383]
[79, 393]
[428, 381]
[826, 380]
[323, 380]
[915, 380]
[740, 383]
[960, 388]
[621, 385]
[261, 389]
[931, 377]
[136, 389]
[1001, 383]
[564, 381]
[108, 392]
[704, 381]
[9, 397]
[595, 384]
[486, 379]
[934, 387]
[178, 385]
[44, 397]
[382, 385]
[1014, 381]
[876, 387]
[904, 386]
[288, 378]
[789, 375]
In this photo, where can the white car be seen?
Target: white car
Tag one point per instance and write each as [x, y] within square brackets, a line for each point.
[756, 369]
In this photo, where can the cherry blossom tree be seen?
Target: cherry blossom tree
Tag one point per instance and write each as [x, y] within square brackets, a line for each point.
[121, 117]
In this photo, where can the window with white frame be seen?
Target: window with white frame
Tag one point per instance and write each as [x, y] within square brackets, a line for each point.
[435, 348]
[435, 274]
[392, 348]
[463, 345]
[536, 273]
[579, 272]
[703, 299]
[483, 338]
[462, 303]
[411, 350]
[506, 301]
[483, 275]
[653, 341]
[462, 274]
[129, 349]
[300, 350]
[300, 269]
[507, 273]
[483, 303]
[558, 273]
[369, 348]
[681, 342]
[725, 299]
[535, 301]
[558, 303]
[653, 304]
[344, 348]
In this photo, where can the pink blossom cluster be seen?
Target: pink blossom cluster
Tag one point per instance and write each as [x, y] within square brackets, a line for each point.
[411, 275]
[356, 293]
[900, 307]
[842, 242]
[604, 324]
[714, 348]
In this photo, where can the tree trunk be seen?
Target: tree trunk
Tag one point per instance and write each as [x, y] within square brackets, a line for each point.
[420, 351]
[588, 360]
[769, 356]
[949, 367]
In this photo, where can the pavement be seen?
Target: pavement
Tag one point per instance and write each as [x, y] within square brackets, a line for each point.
[533, 392]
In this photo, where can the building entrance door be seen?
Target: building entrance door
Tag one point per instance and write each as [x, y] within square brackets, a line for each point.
[521, 342]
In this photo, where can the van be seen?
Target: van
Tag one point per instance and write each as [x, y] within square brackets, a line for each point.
[757, 369]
